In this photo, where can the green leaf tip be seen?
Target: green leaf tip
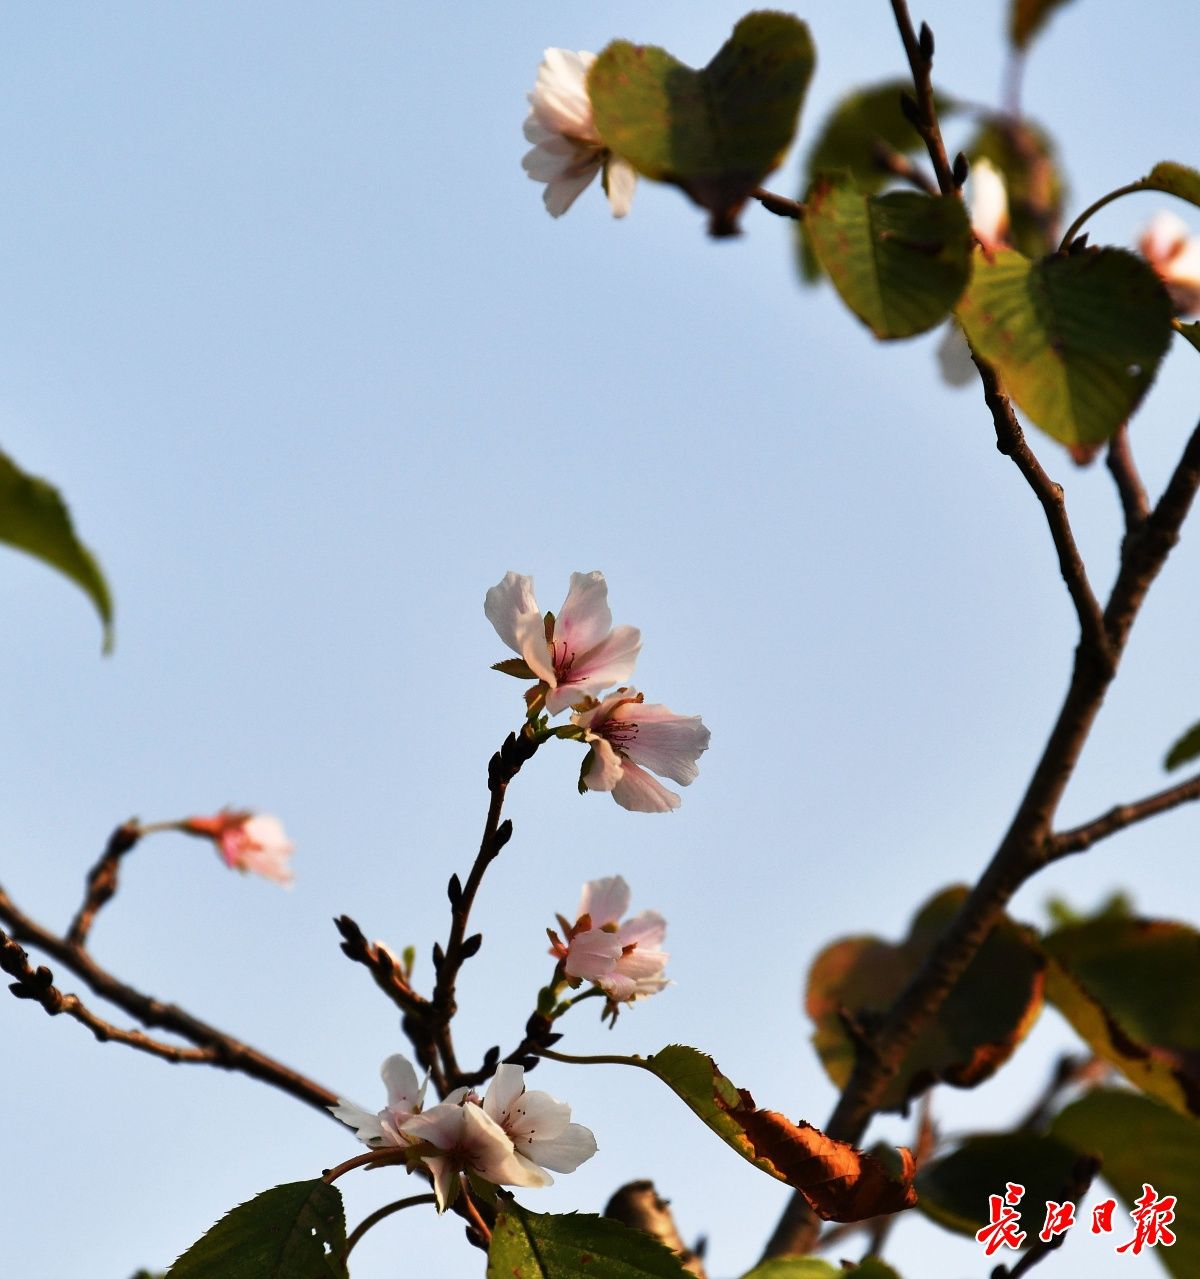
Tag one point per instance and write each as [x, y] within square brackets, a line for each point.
[1184, 749]
[34, 519]
[715, 132]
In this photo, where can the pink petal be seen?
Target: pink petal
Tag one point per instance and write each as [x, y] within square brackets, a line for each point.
[585, 618]
[609, 662]
[506, 603]
[604, 771]
[592, 954]
[645, 930]
[640, 793]
[666, 743]
[530, 632]
[605, 900]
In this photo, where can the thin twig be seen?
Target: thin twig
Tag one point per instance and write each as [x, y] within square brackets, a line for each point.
[381, 1214]
[1078, 1183]
[227, 1053]
[102, 881]
[1130, 488]
[926, 122]
[780, 205]
[900, 166]
[376, 1158]
[1120, 817]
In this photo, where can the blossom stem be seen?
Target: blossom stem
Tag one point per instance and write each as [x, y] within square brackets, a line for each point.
[1074, 229]
[102, 880]
[472, 1213]
[381, 1214]
[385, 1155]
[595, 1059]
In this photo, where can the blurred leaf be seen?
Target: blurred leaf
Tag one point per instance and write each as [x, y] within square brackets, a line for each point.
[954, 1190]
[1187, 748]
[716, 132]
[1026, 158]
[1141, 1140]
[899, 261]
[982, 1021]
[1131, 990]
[1027, 17]
[532, 1245]
[34, 519]
[1189, 331]
[1175, 179]
[1116, 905]
[839, 1182]
[296, 1231]
[795, 1268]
[1076, 339]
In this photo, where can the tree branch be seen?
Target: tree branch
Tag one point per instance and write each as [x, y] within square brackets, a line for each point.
[920, 61]
[1080, 838]
[1130, 489]
[227, 1053]
[779, 205]
[102, 881]
[639, 1206]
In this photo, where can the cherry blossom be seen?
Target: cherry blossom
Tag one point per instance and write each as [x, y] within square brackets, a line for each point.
[627, 736]
[247, 842]
[404, 1099]
[623, 959]
[509, 1138]
[574, 655]
[1169, 246]
[567, 151]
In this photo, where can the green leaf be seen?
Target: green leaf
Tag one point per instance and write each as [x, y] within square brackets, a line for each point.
[1026, 159]
[839, 1182]
[1076, 339]
[296, 1231]
[1131, 989]
[1174, 179]
[1027, 17]
[716, 132]
[982, 1021]
[1188, 746]
[516, 666]
[1117, 905]
[1139, 1141]
[795, 1268]
[954, 1190]
[1191, 332]
[532, 1245]
[900, 261]
[34, 519]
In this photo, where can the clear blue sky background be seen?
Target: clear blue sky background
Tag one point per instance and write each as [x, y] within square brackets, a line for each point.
[289, 326]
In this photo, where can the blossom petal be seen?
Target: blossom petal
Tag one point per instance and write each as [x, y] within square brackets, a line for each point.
[404, 1093]
[365, 1124]
[645, 930]
[592, 954]
[445, 1179]
[565, 1151]
[666, 743]
[1165, 235]
[531, 636]
[641, 793]
[988, 203]
[954, 357]
[609, 662]
[585, 618]
[562, 192]
[508, 1083]
[534, 1116]
[488, 1149]
[604, 771]
[605, 900]
[506, 603]
[440, 1125]
[560, 98]
[620, 177]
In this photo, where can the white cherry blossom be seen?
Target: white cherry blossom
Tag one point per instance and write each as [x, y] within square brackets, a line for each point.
[567, 151]
[627, 736]
[404, 1099]
[583, 652]
[1173, 251]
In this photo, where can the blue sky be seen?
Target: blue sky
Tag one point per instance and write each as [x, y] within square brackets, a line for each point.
[290, 328]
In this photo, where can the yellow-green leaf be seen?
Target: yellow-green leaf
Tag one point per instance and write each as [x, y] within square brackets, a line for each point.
[35, 519]
[1076, 338]
[899, 261]
[716, 132]
[1027, 17]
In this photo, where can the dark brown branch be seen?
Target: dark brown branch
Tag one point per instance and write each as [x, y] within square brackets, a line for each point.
[1068, 1071]
[1130, 489]
[639, 1206]
[779, 205]
[1121, 816]
[102, 881]
[1026, 845]
[925, 121]
[227, 1053]
[900, 166]
[37, 985]
[1077, 1185]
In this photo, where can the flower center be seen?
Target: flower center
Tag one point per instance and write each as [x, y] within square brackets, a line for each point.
[620, 733]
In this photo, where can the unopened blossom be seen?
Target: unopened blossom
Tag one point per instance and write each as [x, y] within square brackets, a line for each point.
[988, 206]
[404, 1099]
[509, 1138]
[628, 736]
[622, 958]
[253, 842]
[1174, 252]
[567, 151]
[577, 655]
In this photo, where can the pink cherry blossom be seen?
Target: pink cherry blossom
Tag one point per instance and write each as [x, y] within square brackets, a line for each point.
[247, 842]
[1169, 246]
[628, 736]
[509, 1138]
[581, 654]
[623, 959]
[567, 151]
[404, 1100]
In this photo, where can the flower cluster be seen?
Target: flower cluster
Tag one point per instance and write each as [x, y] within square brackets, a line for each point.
[575, 656]
[567, 151]
[509, 1137]
[621, 959]
[253, 842]
[1174, 252]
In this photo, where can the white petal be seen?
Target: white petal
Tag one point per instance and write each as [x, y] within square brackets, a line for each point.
[365, 1124]
[954, 357]
[640, 793]
[609, 662]
[604, 772]
[645, 930]
[530, 1174]
[988, 203]
[620, 177]
[1164, 236]
[440, 1125]
[605, 900]
[506, 1087]
[566, 1151]
[666, 743]
[445, 1179]
[506, 603]
[561, 193]
[487, 1149]
[404, 1093]
[530, 633]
